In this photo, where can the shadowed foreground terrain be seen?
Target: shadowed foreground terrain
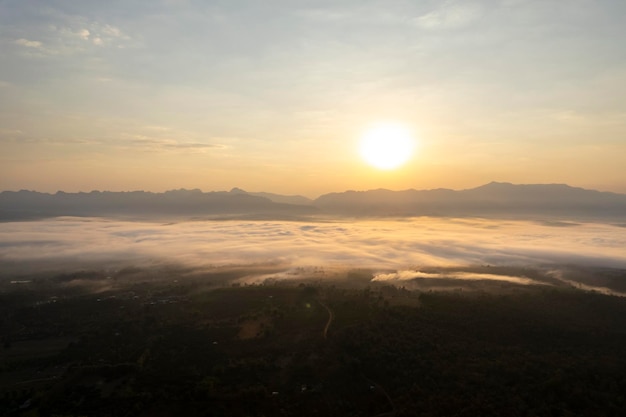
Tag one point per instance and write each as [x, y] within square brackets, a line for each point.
[160, 343]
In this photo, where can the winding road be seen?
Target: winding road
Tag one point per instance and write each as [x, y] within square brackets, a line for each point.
[330, 319]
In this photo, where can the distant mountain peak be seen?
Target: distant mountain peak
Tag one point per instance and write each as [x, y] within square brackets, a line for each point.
[496, 186]
[276, 198]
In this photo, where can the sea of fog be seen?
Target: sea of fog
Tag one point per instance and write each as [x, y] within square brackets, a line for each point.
[385, 245]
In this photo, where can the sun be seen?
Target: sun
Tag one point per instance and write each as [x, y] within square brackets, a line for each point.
[387, 146]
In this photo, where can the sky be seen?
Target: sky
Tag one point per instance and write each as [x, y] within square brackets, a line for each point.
[274, 95]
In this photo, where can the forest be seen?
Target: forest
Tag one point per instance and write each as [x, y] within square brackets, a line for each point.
[145, 345]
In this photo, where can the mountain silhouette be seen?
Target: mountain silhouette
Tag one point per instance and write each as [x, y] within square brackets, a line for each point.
[495, 199]
[140, 204]
[277, 198]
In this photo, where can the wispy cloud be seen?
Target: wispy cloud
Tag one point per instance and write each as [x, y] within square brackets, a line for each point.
[79, 33]
[450, 15]
[161, 140]
[28, 44]
[84, 34]
[11, 134]
[68, 35]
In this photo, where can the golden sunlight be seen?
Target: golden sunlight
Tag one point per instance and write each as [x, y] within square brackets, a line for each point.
[386, 145]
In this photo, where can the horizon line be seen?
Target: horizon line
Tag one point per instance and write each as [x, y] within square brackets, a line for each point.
[235, 189]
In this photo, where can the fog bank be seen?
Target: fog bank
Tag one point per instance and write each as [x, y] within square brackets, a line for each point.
[388, 245]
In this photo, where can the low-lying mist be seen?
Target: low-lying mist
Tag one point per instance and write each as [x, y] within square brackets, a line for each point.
[398, 249]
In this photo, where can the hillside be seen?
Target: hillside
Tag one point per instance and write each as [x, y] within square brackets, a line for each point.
[139, 204]
[490, 199]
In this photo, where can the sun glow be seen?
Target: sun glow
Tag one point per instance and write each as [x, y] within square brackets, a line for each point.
[386, 146]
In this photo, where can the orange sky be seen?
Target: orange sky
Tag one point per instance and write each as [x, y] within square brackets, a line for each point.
[182, 95]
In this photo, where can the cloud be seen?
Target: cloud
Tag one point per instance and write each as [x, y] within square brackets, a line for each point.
[73, 35]
[451, 15]
[388, 245]
[162, 144]
[11, 134]
[324, 14]
[86, 31]
[191, 145]
[29, 44]
[113, 31]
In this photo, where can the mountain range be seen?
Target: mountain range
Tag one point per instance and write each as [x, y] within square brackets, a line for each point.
[495, 198]
[491, 200]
